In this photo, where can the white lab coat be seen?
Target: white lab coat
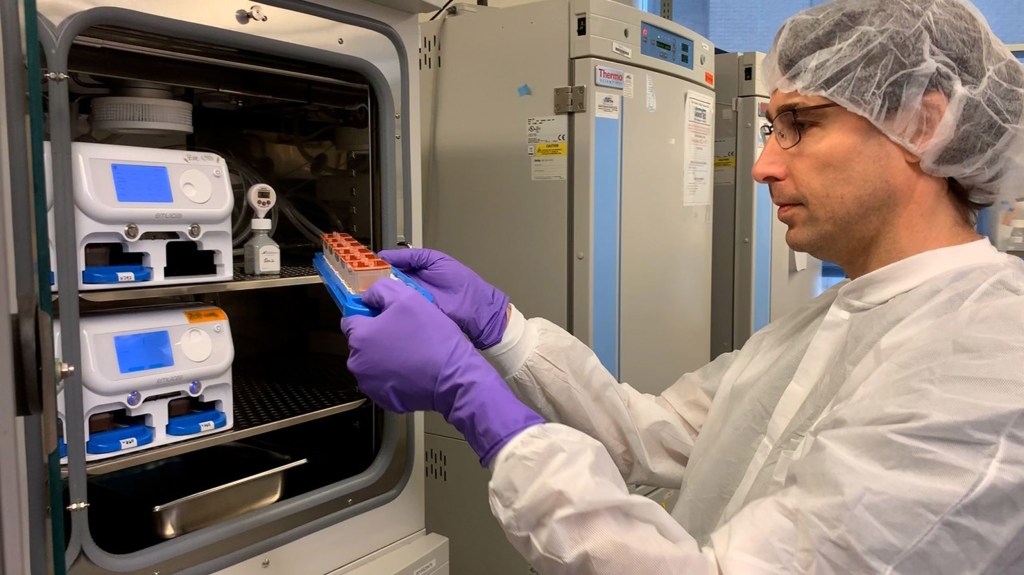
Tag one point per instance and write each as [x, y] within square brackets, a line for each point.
[878, 429]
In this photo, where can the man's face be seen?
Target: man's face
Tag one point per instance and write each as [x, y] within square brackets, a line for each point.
[837, 188]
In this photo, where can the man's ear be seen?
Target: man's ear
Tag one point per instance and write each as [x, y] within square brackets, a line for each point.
[933, 110]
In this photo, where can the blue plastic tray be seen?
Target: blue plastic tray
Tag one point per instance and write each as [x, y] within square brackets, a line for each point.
[348, 302]
[193, 422]
[118, 439]
[112, 274]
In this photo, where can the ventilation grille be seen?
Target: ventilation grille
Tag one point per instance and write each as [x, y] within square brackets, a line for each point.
[436, 464]
[430, 53]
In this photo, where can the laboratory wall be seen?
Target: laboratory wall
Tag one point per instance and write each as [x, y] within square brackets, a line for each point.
[749, 25]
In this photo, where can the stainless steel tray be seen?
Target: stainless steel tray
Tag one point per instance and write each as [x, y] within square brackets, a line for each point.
[142, 505]
[220, 503]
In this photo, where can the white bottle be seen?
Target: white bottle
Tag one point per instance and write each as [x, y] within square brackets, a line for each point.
[262, 255]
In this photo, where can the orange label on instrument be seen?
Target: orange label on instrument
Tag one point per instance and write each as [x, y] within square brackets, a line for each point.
[709, 78]
[204, 315]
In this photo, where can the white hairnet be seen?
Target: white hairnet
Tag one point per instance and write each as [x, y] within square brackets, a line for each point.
[878, 58]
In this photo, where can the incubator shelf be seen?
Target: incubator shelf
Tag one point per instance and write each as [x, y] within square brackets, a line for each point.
[290, 275]
[263, 402]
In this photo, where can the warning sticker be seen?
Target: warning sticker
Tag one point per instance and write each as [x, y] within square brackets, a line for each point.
[204, 315]
[547, 144]
[557, 149]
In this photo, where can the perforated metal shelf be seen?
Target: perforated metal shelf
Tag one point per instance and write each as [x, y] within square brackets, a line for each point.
[263, 403]
[290, 275]
[259, 402]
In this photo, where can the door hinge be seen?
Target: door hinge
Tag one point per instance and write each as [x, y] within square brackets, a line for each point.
[570, 99]
[28, 393]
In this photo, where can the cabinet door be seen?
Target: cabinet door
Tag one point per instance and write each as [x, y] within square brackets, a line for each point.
[30, 483]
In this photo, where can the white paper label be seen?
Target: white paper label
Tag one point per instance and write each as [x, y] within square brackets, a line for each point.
[129, 443]
[699, 150]
[652, 100]
[547, 144]
[269, 259]
[205, 425]
[627, 86]
[125, 277]
[606, 105]
[621, 50]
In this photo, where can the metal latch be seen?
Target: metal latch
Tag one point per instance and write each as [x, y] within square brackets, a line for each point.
[570, 99]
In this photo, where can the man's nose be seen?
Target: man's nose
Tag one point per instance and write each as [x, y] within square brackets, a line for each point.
[770, 165]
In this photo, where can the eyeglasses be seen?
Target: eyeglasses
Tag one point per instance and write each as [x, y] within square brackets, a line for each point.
[786, 128]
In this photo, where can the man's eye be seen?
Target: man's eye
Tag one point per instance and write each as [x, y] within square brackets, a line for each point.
[801, 126]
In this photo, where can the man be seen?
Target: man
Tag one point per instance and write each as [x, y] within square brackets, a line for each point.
[879, 428]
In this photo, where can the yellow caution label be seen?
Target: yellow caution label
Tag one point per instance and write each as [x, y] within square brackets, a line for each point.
[725, 162]
[552, 149]
[204, 315]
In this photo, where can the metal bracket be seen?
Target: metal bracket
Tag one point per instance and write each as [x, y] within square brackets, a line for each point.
[28, 393]
[78, 506]
[56, 76]
[570, 99]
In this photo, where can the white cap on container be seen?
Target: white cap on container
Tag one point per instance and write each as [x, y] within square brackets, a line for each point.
[260, 224]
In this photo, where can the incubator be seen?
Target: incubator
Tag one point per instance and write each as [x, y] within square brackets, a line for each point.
[192, 417]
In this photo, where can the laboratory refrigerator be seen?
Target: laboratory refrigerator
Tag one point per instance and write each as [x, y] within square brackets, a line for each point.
[757, 277]
[568, 159]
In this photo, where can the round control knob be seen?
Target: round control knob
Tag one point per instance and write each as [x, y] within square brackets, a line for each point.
[196, 186]
[196, 345]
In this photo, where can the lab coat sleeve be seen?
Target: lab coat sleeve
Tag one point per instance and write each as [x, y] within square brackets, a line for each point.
[648, 437]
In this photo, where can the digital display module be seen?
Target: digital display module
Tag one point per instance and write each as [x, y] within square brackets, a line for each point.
[141, 184]
[664, 45]
[143, 351]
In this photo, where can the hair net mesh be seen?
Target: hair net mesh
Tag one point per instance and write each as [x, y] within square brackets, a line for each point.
[878, 58]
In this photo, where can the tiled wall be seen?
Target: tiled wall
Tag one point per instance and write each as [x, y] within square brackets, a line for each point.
[748, 25]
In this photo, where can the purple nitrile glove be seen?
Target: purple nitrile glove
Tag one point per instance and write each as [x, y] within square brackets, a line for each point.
[411, 357]
[475, 305]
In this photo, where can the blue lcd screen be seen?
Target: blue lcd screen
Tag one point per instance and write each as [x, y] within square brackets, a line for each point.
[135, 183]
[142, 351]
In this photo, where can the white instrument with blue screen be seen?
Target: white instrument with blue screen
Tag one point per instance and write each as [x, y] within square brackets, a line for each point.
[148, 216]
[153, 377]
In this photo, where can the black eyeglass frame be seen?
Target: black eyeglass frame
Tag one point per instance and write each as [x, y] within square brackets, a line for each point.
[768, 129]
